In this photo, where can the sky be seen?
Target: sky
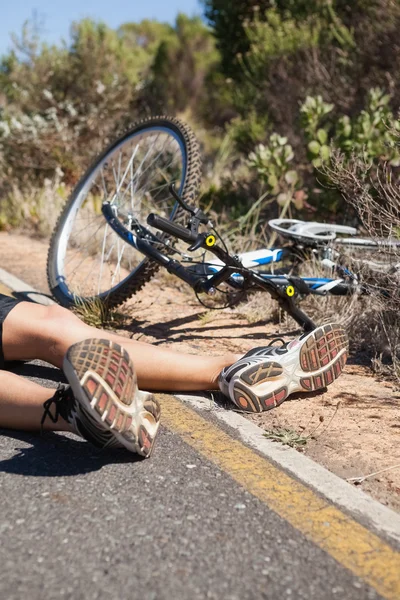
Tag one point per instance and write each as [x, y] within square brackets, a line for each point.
[56, 16]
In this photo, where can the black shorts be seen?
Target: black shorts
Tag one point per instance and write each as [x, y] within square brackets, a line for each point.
[6, 305]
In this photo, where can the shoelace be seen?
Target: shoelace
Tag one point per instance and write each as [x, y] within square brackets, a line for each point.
[278, 339]
[57, 400]
[89, 429]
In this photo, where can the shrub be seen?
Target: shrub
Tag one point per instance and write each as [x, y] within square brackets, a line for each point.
[374, 192]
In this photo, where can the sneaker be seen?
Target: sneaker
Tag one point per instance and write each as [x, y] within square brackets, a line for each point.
[265, 377]
[102, 402]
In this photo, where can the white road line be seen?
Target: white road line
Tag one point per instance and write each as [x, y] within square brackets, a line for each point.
[362, 506]
[17, 285]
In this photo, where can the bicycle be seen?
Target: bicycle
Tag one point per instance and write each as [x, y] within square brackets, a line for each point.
[123, 218]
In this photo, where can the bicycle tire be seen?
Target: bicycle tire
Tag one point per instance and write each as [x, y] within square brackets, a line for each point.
[145, 270]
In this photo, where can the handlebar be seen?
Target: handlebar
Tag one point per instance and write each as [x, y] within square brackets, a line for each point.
[172, 228]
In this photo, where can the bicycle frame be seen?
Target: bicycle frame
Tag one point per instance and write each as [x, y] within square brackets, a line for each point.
[229, 269]
[315, 285]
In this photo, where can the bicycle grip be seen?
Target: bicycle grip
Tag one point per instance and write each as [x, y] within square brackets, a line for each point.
[172, 228]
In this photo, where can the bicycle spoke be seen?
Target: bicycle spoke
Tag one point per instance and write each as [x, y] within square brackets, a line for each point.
[135, 175]
[119, 185]
[138, 170]
[103, 247]
[119, 254]
[80, 249]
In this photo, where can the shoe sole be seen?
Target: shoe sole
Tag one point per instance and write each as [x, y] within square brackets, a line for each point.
[103, 379]
[313, 365]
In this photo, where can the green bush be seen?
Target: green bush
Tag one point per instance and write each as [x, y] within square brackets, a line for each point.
[181, 64]
[312, 72]
[61, 104]
[371, 134]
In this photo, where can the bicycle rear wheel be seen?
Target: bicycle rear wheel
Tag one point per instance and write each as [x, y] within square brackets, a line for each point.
[87, 259]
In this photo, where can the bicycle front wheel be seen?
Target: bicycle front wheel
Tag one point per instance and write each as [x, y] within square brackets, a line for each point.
[87, 259]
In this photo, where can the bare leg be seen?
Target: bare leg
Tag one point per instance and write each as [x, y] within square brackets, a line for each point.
[32, 331]
[21, 404]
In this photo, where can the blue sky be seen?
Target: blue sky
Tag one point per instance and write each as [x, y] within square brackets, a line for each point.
[57, 15]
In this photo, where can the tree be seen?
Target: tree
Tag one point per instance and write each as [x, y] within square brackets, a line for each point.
[230, 20]
[181, 65]
[227, 20]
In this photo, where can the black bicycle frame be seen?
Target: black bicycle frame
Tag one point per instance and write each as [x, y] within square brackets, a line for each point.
[143, 237]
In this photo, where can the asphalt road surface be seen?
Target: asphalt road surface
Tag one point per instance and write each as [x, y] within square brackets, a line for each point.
[80, 523]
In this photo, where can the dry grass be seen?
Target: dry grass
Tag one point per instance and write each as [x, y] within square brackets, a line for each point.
[35, 210]
[375, 194]
[96, 314]
[259, 307]
[207, 317]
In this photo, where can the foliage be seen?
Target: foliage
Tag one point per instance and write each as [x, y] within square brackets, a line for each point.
[371, 133]
[144, 37]
[373, 190]
[313, 111]
[60, 104]
[284, 19]
[181, 64]
[246, 132]
[227, 19]
[281, 51]
[272, 162]
[240, 82]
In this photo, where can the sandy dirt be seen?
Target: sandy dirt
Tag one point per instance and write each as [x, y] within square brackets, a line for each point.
[353, 428]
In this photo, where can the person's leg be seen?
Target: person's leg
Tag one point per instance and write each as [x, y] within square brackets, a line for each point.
[21, 404]
[101, 403]
[46, 332]
[259, 381]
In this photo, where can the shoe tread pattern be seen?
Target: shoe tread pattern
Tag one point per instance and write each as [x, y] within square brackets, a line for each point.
[247, 401]
[261, 372]
[322, 356]
[112, 363]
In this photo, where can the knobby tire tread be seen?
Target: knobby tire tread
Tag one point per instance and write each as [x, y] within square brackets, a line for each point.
[147, 268]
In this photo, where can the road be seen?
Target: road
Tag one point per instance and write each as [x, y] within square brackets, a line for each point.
[79, 523]
[205, 517]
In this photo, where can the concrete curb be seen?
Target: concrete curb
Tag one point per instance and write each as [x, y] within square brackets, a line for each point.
[17, 285]
[356, 502]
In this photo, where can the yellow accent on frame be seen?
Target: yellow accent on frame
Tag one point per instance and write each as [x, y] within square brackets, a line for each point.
[290, 290]
[210, 240]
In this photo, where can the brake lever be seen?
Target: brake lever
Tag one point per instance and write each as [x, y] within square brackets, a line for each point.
[199, 243]
[180, 200]
[196, 213]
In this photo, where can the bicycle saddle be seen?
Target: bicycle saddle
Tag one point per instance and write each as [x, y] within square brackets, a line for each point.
[309, 231]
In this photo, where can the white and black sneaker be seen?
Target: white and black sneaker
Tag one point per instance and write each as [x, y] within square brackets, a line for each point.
[103, 403]
[265, 377]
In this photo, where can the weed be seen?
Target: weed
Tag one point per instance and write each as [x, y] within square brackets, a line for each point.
[97, 314]
[207, 317]
[288, 437]
[374, 193]
[36, 209]
[260, 307]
